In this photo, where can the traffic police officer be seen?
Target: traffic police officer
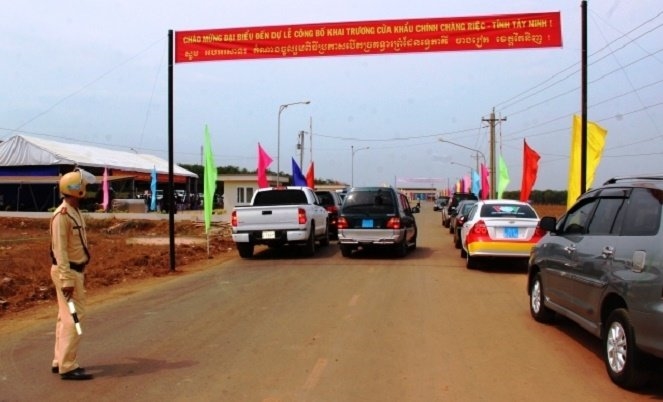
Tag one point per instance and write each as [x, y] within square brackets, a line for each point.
[70, 255]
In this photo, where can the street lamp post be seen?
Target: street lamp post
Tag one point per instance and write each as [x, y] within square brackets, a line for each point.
[471, 149]
[354, 151]
[460, 164]
[478, 153]
[278, 140]
[466, 166]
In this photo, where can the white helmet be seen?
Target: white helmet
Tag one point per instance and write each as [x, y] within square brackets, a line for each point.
[74, 183]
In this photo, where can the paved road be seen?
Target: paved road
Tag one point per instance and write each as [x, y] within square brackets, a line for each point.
[281, 327]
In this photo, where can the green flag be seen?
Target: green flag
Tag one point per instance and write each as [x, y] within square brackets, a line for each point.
[502, 177]
[209, 182]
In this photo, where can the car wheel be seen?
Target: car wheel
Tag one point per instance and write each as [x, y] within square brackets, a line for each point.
[451, 229]
[324, 241]
[539, 311]
[245, 250]
[346, 251]
[624, 362]
[401, 249]
[457, 240]
[413, 245]
[470, 262]
[309, 247]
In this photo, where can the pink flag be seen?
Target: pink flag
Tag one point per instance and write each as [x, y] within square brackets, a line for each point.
[104, 186]
[264, 161]
[485, 183]
[467, 184]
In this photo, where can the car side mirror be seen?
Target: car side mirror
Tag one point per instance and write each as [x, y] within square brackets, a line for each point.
[549, 224]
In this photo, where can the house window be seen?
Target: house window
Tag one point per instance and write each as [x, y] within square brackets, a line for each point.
[244, 195]
[240, 195]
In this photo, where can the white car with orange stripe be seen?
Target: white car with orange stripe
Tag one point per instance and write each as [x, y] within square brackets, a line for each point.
[499, 228]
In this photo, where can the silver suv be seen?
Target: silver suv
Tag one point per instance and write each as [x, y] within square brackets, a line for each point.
[601, 265]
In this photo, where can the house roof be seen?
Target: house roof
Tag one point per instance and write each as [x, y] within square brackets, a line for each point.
[22, 150]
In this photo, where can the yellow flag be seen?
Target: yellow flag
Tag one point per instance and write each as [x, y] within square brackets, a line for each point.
[595, 143]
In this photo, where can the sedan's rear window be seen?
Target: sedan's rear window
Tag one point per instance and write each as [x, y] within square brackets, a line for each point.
[507, 211]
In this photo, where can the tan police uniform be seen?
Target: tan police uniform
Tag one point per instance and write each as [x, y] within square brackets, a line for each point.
[70, 255]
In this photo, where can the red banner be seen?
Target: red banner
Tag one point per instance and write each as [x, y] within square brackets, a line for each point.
[147, 176]
[507, 31]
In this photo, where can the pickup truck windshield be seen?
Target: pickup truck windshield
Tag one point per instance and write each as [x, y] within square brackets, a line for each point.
[280, 197]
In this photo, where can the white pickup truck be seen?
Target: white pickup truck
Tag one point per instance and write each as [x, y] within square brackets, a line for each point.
[279, 216]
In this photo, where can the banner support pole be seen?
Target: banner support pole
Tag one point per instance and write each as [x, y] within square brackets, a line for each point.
[170, 192]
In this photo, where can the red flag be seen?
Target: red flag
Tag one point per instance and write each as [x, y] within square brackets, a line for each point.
[530, 169]
[264, 161]
[310, 176]
[485, 183]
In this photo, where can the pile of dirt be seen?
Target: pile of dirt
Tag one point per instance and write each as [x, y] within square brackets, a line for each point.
[122, 251]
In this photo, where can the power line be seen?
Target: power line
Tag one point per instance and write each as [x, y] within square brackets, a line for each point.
[574, 68]
[85, 86]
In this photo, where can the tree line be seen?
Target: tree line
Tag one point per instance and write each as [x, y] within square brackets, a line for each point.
[200, 171]
[553, 197]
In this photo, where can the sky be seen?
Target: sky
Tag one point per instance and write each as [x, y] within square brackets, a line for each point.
[96, 73]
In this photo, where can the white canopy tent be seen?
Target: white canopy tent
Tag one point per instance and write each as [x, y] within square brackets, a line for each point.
[22, 150]
[30, 169]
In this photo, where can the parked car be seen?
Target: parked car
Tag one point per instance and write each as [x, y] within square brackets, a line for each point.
[601, 265]
[459, 217]
[452, 204]
[332, 202]
[440, 202]
[342, 193]
[374, 217]
[279, 216]
[499, 229]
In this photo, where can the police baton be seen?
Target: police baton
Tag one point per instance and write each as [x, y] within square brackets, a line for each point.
[72, 310]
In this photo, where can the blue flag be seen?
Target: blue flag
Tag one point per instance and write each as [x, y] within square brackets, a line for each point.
[476, 182]
[153, 189]
[298, 178]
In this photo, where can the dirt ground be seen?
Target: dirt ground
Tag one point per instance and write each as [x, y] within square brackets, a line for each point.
[122, 252]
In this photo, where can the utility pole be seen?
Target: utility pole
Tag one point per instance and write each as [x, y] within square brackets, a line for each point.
[492, 121]
[300, 146]
[583, 101]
